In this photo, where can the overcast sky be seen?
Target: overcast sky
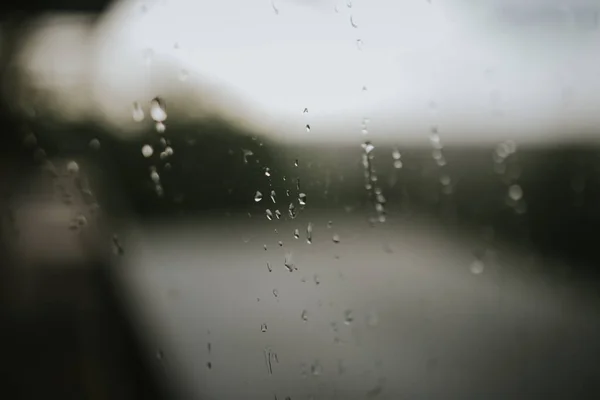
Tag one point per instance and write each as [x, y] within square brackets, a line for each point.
[484, 71]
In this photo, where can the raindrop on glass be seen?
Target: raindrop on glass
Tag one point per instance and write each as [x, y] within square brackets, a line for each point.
[209, 365]
[246, 153]
[277, 214]
[396, 154]
[309, 230]
[269, 267]
[160, 127]
[515, 192]
[280, 243]
[477, 267]
[95, 144]
[275, 292]
[296, 163]
[329, 224]
[336, 238]
[184, 75]
[316, 368]
[304, 315]
[157, 110]
[273, 195]
[302, 199]
[397, 164]
[267, 171]
[292, 211]
[147, 150]
[354, 25]
[316, 279]
[445, 180]
[307, 128]
[289, 264]
[368, 147]
[296, 234]
[263, 327]
[258, 196]
[72, 167]
[359, 44]
[137, 113]
[154, 176]
[269, 214]
[348, 317]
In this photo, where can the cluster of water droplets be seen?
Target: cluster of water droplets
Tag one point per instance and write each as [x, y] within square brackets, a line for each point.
[506, 165]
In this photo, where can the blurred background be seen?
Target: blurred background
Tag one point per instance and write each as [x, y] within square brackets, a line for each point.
[299, 199]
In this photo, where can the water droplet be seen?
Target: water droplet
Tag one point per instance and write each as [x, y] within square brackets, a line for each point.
[209, 365]
[316, 368]
[354, 25]
[437, 154]
[273, 195]
[94, 144]
[147, 151]
[359, 44]
[397, 164]
[289, 264]
[309, 229]
[159, 355]
[296, 233]
[348, 317]
[372, 319]
[277, 214]
[265, 247]
[316, 279]
[302, 199]
[307, 128]
[72, 167]
[435, 141]
[296, 163]
[275, 9]
[329, 224]
[477, 267]
[263, 327]
[304, 315]
[160, 127]
[258, 196]
[118, 249]
[137, 113]
[184, 75]
[158, 110]
[154, 176]
[267, 171]
[292, 211]
[298, 184]
[396, 154]
[269, 214]
[275, 292]
[246, 153]
[269, 266]
[515, 192]
[368, 147]
[336, 238]
[445, 180]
